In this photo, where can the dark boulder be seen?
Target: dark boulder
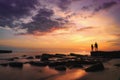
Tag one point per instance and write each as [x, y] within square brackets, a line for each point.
[60, 68]
[106, 54]
[45, 57]
[16, 57]
[24, 55]
[10, 59]
[4, 64]
[16, 64]
[95, 67]
[38, 56]
[30, 57]
[59, 55]
[56, 63]
[118, 65]
[76, 55]
[37, 63]
[5, 51]
[88, 62]
[76, 66]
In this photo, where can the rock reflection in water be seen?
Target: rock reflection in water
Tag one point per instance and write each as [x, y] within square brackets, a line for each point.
[26, 73]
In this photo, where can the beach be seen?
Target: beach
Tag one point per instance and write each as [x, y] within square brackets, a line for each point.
[111, 72]
[33, 72]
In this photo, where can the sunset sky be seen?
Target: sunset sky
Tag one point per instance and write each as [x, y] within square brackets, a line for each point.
[59, 25]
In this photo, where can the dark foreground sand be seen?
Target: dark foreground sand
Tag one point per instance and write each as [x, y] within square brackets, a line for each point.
[29, 72]
[111, 72]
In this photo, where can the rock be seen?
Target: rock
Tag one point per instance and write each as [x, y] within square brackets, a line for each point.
[76, 66]
[118, 65]
[38, 56]
[119, 79]
[16, 64]
[10, 59]
[77, 55]
[95, 67]
[60, 68]
[16, 57]
[30, 57]
[24, 55]
[5, 51]
[88, 62]
[4, 64]
[59, 55]
[106, 54]
[54, 64]
[37, 63]
[45, 57]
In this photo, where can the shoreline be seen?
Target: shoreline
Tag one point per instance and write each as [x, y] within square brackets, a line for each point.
[5, 51]
[57, 67]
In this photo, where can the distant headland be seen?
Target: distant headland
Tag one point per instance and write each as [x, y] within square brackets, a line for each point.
[106, 54]
[5, 51]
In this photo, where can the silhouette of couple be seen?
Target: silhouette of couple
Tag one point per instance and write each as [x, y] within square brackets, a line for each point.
[94, 46]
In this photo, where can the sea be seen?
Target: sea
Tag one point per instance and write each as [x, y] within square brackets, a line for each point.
[30, 72]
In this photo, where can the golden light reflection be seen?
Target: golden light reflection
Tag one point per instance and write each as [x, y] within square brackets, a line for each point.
[71, 75]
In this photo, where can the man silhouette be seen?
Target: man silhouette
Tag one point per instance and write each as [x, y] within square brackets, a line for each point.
[96, 46]
[92, 47]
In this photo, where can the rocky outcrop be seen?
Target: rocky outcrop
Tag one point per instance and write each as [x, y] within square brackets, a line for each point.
[5, 51]
[30, 57]
[74, 64]
[60, 68]
[56, 63]
[118, 65]
[37, 63]
[95, 67]
[106, 54]
[38, 56]
[16, 64]
[4, 64]
[45, 57]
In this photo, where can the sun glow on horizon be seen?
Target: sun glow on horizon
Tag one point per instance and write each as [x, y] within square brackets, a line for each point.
[74, 26]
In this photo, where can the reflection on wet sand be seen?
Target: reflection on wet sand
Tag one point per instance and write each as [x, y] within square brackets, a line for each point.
[70, 75]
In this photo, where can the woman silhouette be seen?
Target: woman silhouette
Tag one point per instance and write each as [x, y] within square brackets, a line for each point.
[96, 46]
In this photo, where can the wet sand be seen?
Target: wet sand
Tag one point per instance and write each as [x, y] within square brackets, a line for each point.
[30, 72]
[111, 72]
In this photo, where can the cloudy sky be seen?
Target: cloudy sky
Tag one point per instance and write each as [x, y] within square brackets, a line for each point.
[60, 25]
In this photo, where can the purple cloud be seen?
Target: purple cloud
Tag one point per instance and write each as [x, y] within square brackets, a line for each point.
[106, 5]
[13, 10]
[43, 17]
[16, 8]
